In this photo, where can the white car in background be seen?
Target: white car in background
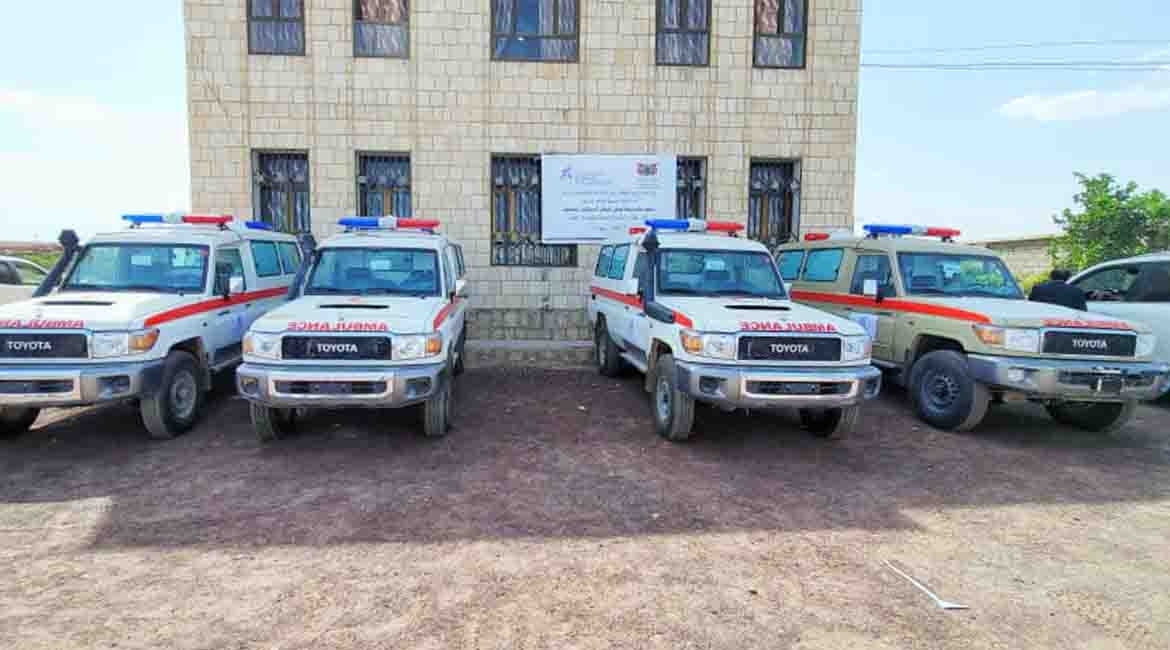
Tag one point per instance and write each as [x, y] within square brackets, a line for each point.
[18, 279]
[1136, 289]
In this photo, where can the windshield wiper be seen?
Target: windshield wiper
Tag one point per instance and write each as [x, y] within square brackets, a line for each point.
[684, 291]
[397, 292]
[985, 292]
[932, 291]
[320, 291]
[740, 292]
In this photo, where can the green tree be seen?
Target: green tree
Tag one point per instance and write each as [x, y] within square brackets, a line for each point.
[1111, 221]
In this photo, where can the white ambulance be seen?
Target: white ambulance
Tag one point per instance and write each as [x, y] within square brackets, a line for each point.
[705, 315]
[147, 313]
[377, 322]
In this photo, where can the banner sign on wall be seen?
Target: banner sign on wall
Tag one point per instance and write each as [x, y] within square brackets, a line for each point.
[588, 198]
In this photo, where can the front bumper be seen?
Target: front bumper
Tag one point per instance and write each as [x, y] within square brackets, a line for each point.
[333, 386]
[1082, 381]
[772, 387]
[48, 385]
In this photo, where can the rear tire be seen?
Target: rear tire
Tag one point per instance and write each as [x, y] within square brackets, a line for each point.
[944, 393]
[437, 410]
[16, 420]
[1095, 417]
[833, 424]
[673, 410]
[609, 362]
[174, 407]
[272, 424]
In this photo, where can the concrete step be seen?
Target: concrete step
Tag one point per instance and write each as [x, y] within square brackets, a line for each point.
[534, 354]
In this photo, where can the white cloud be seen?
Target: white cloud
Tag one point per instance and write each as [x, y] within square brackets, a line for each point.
[1088, 104]
[76, 162]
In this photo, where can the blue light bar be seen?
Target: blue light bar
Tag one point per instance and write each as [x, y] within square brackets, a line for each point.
[360, 223]
[888, 229]
[669, 224]
[257, 225]
[138, 219]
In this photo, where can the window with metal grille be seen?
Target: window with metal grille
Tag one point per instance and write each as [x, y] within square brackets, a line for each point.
[276, 27]
[381, 28]
[384, 185]
[684, 32]
[534, 30]
[280, 193]
[780, 34]
[774, 201]
[516, 216]
[692, 188]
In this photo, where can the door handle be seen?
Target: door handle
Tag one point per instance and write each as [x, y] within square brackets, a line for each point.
[224, 312]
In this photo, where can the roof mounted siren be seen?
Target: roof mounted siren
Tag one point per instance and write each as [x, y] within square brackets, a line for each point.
[352, 224]
[220, 221]
[695, 225]
[875, 230]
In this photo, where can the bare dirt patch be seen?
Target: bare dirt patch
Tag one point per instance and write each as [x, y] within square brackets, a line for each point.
[552, 517]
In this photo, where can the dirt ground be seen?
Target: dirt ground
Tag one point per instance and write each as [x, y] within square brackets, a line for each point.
[553, 517]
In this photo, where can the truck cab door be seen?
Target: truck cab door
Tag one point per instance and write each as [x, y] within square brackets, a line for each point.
[873, 282]
[228, 323]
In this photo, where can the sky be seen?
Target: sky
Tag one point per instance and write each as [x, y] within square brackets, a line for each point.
[92, 132]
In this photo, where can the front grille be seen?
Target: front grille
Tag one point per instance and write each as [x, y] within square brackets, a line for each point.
[43, 346]
[1090, 344]
[346, 348]
[790, 348]
[798, 388]
[36, 386]
[331, 387]
[1091, 379]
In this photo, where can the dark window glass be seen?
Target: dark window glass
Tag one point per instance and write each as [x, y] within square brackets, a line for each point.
[276, 27]
[290, 257]
[603, 261]
[384, 185]
[265, 258]
[780, 33]
[516, 216]
[617, 268]
[873, 267]
[774, 202]
[29, 274]
[156, 268]
[823, 265]
[684, 32]
[945, 274]
[231, 259]
[381, 28]
[281, 191]
[375, 271]
[534, 30]
[692, 188]
[789, 263]
[718, 273]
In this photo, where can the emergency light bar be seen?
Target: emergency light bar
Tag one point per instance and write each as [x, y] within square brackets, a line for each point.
[191, 219]
[139, 219]
[694, 225]
[387, 223]
[637, 230]
[206, 220]
[257, 225]
[816, 236]
[875, 230]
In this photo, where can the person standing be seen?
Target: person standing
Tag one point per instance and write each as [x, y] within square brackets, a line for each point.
[1058, 291]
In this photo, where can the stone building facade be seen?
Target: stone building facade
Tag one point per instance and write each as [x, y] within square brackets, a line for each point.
[1025, 256]
[304, 111]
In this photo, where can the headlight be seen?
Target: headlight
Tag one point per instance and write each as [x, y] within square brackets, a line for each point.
[1146, 344]
[715, 346]
[856, 348]
[1009, 338]
[104, 345]
[416, 346]
[266, 346]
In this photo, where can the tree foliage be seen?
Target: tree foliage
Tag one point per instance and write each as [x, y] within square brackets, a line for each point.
[1111, 221]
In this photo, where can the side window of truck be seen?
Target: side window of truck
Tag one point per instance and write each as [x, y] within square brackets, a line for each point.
[823, 265]
[234, 262]
[872, 267]
[290, 257]
[789, 263]
[617, 268]
[603, 260]
[265, 259]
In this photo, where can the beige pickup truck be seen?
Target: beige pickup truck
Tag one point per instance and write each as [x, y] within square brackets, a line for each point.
[950, 323]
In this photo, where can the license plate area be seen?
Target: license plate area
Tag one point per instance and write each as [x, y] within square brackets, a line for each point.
[331, 388]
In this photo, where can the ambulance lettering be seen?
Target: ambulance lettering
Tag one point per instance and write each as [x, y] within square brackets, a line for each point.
[775, 326]
[308, 326]
[42, 324]
[1087, 324]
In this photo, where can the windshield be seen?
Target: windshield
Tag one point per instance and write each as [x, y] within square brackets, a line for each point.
[162, 268]
[945, 274]
[375, 271]
[718, 273]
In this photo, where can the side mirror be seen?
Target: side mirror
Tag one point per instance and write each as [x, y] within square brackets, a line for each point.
[223, 276]
[461, 290]
[235, 285]
[870, 288]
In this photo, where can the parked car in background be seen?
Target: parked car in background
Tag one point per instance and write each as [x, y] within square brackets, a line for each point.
[1135, 288]
[950, 322]
[18, 279]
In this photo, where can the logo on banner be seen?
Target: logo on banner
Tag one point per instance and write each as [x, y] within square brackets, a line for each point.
[647, 169]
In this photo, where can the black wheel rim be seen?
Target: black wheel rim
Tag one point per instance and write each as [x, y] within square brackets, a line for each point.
[939, 390]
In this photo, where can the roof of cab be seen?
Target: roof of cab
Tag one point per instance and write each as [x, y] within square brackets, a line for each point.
[694, 240]
[198, 234]
[385, 238]
[910, 244]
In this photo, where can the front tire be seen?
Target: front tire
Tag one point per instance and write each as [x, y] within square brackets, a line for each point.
[460, 355]
[833, 424]
[944, 393]
[1096, 417]
[609, 362]
[272, 424]
[673, 410]
[174, 407]
[437, 410]
[16, 421]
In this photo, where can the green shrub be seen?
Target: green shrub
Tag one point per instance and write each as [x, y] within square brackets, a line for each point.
[1027, 282]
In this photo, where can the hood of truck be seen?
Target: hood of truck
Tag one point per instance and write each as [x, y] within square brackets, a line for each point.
[734, 314]
[353, 315]
[1028, 314]
[91, 310]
